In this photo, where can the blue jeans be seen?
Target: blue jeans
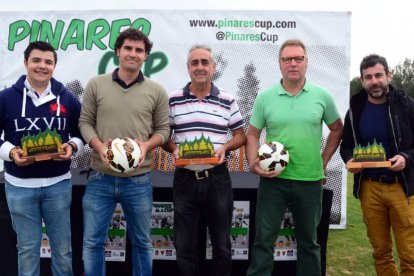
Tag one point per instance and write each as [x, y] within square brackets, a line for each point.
[304, 199]
[211, 198]
[102, 193]
[27, 208]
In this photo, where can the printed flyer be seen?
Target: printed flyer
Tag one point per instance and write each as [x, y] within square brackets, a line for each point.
[45, 251]
[162, 231]
[285, 245]
[115, 243]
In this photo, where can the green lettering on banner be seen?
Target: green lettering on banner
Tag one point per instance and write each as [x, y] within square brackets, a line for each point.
[155, 63]
[74, 35]
[34, 32]
[97, 30]
[77, 33]
[103, 63]
[117, 25]
[143, 25]
[18, 31]
[53, 36]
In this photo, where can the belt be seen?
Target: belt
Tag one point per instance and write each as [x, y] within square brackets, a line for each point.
[199, 175]
[383, 179]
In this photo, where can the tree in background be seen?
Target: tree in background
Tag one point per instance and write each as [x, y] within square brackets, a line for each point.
[355, 86]
[402, 78]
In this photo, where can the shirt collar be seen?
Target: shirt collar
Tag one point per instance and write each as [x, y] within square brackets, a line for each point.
[214, 92]
[33, 93]
[115, 77]
[282, 91]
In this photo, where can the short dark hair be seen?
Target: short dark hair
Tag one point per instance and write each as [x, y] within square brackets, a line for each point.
[371, 61]
[39, 45]
[135, 35]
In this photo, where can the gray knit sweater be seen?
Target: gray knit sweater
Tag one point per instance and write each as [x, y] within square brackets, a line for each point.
[110, 111]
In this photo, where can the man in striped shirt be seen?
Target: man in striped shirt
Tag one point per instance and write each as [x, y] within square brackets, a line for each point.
[202, 110]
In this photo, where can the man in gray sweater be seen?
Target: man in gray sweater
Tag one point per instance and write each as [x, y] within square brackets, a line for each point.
[122, 104]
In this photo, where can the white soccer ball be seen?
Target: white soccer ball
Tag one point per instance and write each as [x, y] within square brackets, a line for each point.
[273, 156]
[123, 155]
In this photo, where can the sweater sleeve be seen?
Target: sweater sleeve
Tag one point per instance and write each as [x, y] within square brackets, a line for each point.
[87, 119]
[75, 135]
[160, 117]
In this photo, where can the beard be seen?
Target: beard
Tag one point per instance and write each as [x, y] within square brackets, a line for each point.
[378, 93]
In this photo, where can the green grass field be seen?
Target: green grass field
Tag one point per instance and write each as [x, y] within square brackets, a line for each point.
[349, 251]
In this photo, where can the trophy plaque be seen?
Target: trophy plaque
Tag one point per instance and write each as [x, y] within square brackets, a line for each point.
[371, 156]
[43, 146]
[197, 152]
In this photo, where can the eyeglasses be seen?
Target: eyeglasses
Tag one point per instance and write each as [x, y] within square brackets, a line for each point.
[297, 59]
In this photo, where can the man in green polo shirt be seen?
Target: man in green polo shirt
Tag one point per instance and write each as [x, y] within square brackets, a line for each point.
[292, 112]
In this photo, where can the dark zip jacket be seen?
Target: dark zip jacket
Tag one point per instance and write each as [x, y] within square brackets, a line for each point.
[400, 119]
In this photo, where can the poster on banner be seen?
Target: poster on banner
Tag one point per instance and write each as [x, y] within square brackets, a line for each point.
[162, 231]
[246, 45]
[285, 244]
[45, 250]
[239, 232]
[115, 242]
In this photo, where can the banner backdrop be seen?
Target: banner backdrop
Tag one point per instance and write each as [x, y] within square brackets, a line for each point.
[246, 44]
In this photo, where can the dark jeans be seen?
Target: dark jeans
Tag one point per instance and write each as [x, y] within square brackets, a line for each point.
[211, 197]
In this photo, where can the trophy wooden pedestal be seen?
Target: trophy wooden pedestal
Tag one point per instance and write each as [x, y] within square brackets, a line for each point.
[372, 164]
[43, 146]
[181, 162]
[43, 156]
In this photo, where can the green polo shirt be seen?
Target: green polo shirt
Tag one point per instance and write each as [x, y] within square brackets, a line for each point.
[296, 122]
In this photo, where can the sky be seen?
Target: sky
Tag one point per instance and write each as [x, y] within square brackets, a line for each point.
[377, 26]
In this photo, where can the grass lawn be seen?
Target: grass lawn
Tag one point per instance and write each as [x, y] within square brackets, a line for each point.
[349, 251]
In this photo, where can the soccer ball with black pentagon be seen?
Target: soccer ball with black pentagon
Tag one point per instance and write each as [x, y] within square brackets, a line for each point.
[123, 155]
[273, 156]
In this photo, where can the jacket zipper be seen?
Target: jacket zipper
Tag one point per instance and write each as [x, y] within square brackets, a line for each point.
[395, 142]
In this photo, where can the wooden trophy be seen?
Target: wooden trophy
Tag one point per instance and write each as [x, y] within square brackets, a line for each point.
[371, 156]
[43, 146]
[197, 152]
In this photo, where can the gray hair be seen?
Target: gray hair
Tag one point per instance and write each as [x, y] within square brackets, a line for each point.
[204, 47]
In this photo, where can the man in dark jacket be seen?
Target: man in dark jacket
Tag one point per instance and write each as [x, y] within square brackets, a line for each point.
[380, 114]
[38, 112]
